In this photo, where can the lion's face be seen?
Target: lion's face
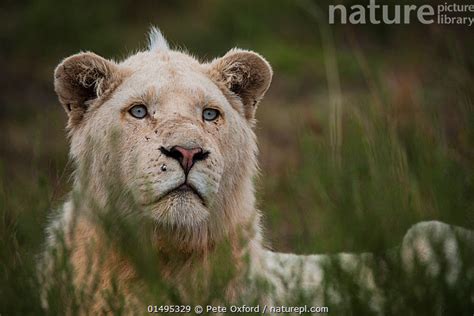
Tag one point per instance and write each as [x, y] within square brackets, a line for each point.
[185, 146]
[181, 139]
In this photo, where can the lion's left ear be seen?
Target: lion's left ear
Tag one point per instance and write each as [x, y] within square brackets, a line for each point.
[244, 73]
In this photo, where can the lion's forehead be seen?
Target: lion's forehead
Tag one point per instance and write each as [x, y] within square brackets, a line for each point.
[170, 57]
[167, 67]
[158, 79]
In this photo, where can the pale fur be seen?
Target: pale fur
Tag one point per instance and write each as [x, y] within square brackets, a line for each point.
[176, 87]
[156, 40]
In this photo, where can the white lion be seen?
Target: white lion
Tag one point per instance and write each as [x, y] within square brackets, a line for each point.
[179, 135]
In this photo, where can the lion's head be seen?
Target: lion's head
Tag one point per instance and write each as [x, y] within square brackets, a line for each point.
[185, 143]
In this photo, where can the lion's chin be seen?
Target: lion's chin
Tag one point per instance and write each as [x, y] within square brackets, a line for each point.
[181, 208]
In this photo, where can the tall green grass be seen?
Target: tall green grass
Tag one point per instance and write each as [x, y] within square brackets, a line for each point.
[389, 175]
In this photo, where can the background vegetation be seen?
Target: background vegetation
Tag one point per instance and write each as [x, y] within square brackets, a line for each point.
[365, 131]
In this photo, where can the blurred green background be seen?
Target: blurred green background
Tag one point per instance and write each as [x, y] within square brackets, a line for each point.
[365, 130]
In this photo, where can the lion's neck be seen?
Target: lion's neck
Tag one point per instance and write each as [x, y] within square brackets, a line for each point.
[237, 228]
[233, 229]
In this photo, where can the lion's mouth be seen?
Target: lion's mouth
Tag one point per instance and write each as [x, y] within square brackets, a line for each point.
[187, 188]
[183, 189]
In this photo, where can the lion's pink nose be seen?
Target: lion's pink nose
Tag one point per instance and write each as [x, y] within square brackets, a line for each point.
[186, 156]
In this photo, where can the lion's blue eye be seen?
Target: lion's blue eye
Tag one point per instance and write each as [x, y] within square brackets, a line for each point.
[138, 111]
[210, 114]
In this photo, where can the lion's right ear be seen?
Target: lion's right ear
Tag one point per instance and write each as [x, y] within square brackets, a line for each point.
[245, 74]
[82, 78]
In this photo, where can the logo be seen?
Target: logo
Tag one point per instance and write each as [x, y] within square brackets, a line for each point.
[373, 13]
